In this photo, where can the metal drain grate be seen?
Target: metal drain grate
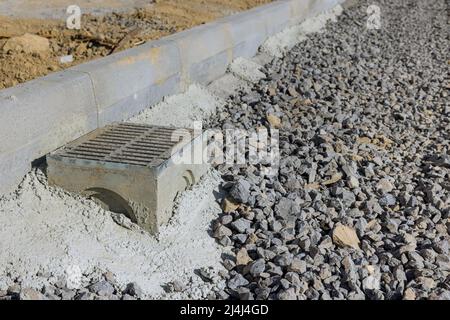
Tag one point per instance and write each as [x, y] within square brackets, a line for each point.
[126, 143]
[130, 169]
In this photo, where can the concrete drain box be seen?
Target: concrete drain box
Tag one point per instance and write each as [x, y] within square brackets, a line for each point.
[129, 168]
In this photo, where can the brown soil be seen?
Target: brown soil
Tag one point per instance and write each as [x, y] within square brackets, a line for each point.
[99, 35]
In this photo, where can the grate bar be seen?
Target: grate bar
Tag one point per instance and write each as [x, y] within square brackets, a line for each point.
[126, 143]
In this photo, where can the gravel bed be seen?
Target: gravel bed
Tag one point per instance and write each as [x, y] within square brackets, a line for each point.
[359, 208]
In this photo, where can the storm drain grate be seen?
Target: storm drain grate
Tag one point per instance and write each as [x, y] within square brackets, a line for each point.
[127, 143]
[130, 169]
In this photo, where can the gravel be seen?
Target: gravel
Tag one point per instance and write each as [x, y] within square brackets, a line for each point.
[364, 146]
[241, 191]
[104, 289]
[133, 289]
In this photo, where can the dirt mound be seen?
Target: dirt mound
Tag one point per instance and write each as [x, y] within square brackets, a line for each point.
[28, 43]
[101, 35]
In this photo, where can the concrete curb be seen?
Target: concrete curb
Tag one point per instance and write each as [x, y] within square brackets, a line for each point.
[41, 115]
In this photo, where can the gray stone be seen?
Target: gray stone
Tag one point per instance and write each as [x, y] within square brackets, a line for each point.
[240, 191]
[257, 267]
[102, 288]
[31, 294]
[284, 260]
[285, 208]
[85, 296]
[14, 289]
[384, 184]
[241, 225]
[387, 200]
[133, 289]
[222, 231]
[288, 294]
[297, 265]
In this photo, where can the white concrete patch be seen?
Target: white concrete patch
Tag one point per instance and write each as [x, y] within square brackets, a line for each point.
[287, 39]
[247, 69]
[44, 229]
[228, 85]
[181, 110]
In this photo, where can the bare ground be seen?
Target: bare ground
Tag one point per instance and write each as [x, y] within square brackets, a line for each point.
[100, 34]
